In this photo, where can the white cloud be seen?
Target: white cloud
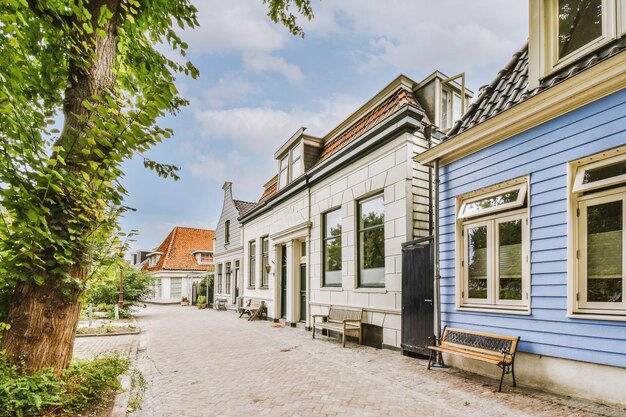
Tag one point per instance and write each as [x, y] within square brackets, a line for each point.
[234, 26]
[229, 89]
[262, 62]
[262, 129]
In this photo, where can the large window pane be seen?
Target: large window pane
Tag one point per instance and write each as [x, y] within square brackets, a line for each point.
[371, 242]
[580, 22]
[265, 261]
[510, 260]
[605, 252]
[252, 262]
[477, 262]
[175, 288]
[332, 248]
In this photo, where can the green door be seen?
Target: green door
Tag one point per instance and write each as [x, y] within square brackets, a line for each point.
[283, 282]
[303, 305]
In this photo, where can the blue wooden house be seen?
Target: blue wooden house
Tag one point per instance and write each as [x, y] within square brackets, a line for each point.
[532, 203]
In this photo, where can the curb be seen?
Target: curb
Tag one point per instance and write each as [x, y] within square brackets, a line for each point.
[120, 404]
[109, 334]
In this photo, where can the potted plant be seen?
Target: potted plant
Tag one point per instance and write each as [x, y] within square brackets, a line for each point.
[184, 301]
[202, 302]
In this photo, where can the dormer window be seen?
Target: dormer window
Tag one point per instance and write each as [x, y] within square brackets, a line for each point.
[153, 260]
[204, 258]
[571, 29]
[451, 108]
[290, 166]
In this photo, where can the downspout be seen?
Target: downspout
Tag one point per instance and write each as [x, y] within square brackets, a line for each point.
[437, 274]
[307, 324]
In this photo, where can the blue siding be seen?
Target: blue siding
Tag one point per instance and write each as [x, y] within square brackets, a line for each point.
[542, 153]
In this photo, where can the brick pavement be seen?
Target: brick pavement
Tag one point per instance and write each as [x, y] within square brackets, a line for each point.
[88, 347]
[208, 363]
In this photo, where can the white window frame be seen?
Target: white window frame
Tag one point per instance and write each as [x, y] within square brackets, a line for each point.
[580, 186]
[621, 13]
[608, 196]
[290, 161]
[550, 29]
[507, 206]
[491, 218]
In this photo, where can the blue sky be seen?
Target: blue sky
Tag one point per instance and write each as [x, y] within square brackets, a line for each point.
[258, 85]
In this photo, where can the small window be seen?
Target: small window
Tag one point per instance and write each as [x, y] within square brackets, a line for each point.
[153, 260]
[600, 195]
[605, 173]
[252, 263]
[296, 162]
[371, 242]
[495, 250]
[283, 176]
[205, 258]
[505, 199]
[332, 248]
[227, 231]
[219, 279]
[227, 278]
[446, 104]
[265, 261]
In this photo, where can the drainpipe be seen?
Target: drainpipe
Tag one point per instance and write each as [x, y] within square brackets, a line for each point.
[307, 324]
[437, 277]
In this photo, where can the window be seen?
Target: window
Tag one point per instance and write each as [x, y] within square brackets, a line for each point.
[576, 27]
[600, 242]
[332, 248]
[227, 278]
[157, 288]
[205, 258]
[219, 279]
[176, 288]
[495, 249]
[290, 166]
[296, 162]
[227, 231]
[265, 261]
[153, 260]
[451, 108]
[371, 242]
[283, 176]
[252, 263]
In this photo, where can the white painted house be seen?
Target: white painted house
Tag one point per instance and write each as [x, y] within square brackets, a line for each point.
[329, 227]
[182, 260]
[229, 247]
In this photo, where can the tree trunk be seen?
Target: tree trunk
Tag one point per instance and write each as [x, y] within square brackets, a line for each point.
[43, 318]
[43, 326]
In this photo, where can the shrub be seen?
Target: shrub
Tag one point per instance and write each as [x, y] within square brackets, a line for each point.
[102, 307]
[46, 393]
[201, 299]
[137, 287]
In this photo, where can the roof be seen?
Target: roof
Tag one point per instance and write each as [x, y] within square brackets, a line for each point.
[178, 248]
[371, 119]
[269, 189]
[510, 87]
[243, 206]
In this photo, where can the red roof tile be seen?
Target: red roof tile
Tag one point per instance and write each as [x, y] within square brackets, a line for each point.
[178, 247]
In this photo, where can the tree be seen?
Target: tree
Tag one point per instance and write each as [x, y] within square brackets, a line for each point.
[94, 64]
[137, 286]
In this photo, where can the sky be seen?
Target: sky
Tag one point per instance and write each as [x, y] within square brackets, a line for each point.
[258, 84]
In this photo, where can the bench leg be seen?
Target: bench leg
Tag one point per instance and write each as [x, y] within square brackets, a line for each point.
[344, 339]
[360, 336]
[430, 359]
[513, 373]
[313, 331]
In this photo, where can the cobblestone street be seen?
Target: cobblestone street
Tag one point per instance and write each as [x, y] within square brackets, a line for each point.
[209, 363]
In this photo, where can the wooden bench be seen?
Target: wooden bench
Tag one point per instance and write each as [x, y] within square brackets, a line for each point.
[342, 320]
[253, 307]
[220, 304]
[486, 347]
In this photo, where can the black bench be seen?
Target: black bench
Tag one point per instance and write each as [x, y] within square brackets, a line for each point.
[486, 347]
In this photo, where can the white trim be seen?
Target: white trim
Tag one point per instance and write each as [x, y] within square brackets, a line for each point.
[519, 202]
[492, 303]
[580, 186]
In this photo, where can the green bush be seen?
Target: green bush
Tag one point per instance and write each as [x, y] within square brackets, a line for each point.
[46, 393]
[137, 287]
[201, 299]
[102, 307]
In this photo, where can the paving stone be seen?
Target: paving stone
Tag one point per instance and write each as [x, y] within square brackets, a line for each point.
[209, 363]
